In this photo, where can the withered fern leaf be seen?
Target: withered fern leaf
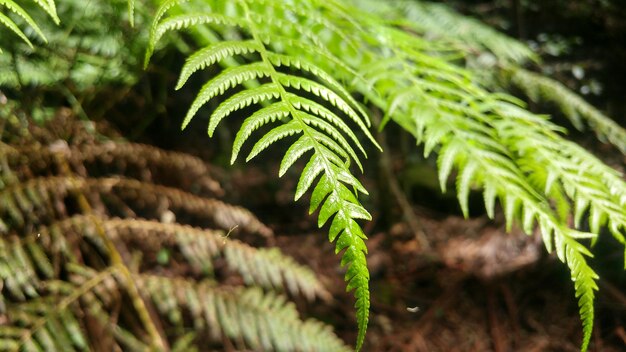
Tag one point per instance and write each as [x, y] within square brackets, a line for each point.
[74, 277]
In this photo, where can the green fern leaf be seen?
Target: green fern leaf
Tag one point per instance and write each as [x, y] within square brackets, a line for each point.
[50, 7]
[489, 196]
[241, 100]
[445, 162]
[18, 10]
[280, 132]
[212, 54]
[6, 21]
[260, 117]
[464, 181]
[312, 169]
[295, 151]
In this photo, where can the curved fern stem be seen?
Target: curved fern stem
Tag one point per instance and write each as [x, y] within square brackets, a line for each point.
[335, 199]
[287, 98]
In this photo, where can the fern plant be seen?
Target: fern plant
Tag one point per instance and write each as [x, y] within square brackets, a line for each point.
[499, 62]
[293, 62]
[88, 261]
[77, 54]
[310, 70]
[11, 6]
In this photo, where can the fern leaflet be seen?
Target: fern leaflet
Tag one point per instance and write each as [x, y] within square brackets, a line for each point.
[48, 6]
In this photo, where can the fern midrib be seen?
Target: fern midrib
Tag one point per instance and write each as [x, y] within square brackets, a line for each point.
[317, 149]
[283, 96]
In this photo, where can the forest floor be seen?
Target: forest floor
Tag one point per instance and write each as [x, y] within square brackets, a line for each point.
[476, 288]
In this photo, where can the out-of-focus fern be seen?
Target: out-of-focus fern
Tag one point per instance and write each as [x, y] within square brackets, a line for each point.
[267, 268]
[575, 108]
[68, 268]
[11, 6]
[467, 34]
[78, 53]
[498, 60]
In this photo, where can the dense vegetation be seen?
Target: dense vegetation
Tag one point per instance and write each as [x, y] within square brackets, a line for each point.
[310, 76]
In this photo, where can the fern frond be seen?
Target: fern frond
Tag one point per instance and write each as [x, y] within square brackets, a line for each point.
[264, 267]
[577, 110]
[576, 171]
[36, 195]
[320, 131]
[265, 321]
[584, 277]
[464, 124]
[48, 323]
[19, 268]
[490, 165]
[127, 159]
[7, 22]
[55, 331]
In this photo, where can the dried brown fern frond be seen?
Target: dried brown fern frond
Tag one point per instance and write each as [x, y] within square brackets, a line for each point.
[247, 316]
[131, 160]
[74, 277]
[21, 264]
[49, 322]
[44, 197]
[200, 248]
[19, 129]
